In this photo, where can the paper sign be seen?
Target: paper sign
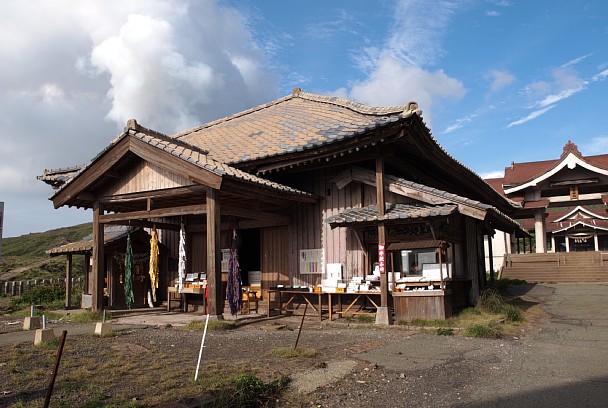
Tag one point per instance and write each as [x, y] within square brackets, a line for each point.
[381, 258]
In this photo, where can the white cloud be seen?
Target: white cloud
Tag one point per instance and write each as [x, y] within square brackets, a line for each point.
[499, 79]
[459, 123]
[398, 72]
[492, 174]
[493, 13]
[598, 145]
[601, 76]
[417, 30]
[566, 82]
[531, 116]
[576, 60]
[396, 83]
[66, 65]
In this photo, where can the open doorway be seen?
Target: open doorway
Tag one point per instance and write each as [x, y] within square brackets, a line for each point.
[249, 255]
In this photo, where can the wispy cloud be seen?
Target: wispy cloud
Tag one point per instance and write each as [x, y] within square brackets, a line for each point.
[417, 30]
[598, 145]
[576, 60]
[459, 123]
[601, 76]
[531, 116]
[499, 79]
[492, 174]
[397, 72]
[493, 13]
[340, 22]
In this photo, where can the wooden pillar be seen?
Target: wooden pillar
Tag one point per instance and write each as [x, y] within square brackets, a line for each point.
[99, 270]
[68, 281]
[383, 315]
[215, 305]
[87, 274]
[491, 257]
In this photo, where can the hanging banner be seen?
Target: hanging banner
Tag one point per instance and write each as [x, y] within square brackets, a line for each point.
[381, 258]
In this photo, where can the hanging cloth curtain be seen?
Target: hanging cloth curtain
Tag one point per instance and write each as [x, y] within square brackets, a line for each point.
[129, 298]
[154, 262]
[181, 266]
[233, 290]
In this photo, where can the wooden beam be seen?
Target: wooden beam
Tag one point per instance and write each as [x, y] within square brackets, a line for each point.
[154, 194]
[255, 214]
[148, 224]
[98, 259]
[158, 213]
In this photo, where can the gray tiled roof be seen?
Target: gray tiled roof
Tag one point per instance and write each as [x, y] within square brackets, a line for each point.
[393, 212]
[111, 233]
[199, 157]
[290, 124]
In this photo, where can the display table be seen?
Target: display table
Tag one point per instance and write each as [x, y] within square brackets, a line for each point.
[287, 298]
[356, 302]
[172, 294]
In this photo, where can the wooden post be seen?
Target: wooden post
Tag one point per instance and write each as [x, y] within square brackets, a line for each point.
[68, 281]
[98, 259]
[214, 260]
[87, 274]
[382, 314]
[491, 258]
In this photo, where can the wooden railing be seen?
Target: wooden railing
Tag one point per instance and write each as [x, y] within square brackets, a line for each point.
[16, 288]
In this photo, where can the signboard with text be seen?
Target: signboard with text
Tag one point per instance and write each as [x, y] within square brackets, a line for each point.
[381, 258]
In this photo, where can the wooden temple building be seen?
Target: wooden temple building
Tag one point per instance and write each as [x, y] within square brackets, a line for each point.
[563, 200]
[327, 195]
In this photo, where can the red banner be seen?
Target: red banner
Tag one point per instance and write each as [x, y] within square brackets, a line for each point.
[381, 258]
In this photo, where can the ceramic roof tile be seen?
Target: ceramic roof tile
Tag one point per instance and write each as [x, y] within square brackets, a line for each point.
[293, 123]
[393, 212]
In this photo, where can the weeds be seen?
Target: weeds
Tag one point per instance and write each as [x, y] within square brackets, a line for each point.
[487, 331]
[444, 331]
[289, 352]
[249, 391]
[216, 325]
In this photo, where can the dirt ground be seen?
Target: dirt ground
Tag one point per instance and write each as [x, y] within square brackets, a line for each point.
[561, 361]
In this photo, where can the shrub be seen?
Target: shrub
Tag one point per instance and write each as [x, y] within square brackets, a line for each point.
[513, 313]
[487, 331]
[249, 391]
[445, 331]
[45, 295]
[491, 301]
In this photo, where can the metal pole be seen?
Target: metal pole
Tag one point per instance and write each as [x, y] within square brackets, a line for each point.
[54, 375]
[200, 353]
[301, 324]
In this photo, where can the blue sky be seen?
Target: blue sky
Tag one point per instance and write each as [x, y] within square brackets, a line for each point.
[497, 80]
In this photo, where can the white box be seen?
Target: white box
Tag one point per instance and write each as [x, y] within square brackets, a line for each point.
[334, 271]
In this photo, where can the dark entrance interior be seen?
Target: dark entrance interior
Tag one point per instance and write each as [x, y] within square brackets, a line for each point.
[249, 253]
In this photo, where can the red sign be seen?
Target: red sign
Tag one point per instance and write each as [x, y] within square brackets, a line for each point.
[381, 258]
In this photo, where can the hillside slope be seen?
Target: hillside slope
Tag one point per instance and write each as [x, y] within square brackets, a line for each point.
[24, 257]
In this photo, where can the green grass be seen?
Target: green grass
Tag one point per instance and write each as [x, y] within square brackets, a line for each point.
[290, 352]
[490, 330]
[28, 249]
[213, 325]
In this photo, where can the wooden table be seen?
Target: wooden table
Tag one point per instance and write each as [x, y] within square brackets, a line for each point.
[372, 297]
[186, 292]
[313, 299]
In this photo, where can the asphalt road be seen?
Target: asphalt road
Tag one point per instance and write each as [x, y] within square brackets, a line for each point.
[563, 362]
